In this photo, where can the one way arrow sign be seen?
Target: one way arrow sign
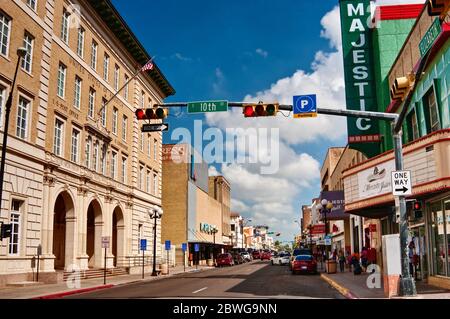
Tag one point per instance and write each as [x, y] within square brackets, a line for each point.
[155, 127]
[401, 183]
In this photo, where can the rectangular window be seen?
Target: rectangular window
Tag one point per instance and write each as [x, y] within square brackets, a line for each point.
[58, 140]
[116, 77]
[149, 149]
[413, 126]
[94, 47]
[125, 94]
[149, 182]
[106, 67]
[141, 178]
[27, 61]
[32, 4]
[103, 161]
[103, 113]
[2, 103]
[95, 158]
[142, 141]
[22, 118]
[65, 26]
[124, 127]
[14, 243]
[113, 165]
[114, 122]
[77, 93]
[61, 80]
[91, 109]
[5, 28]
[142, 99]
[75, 145]
[140, 235]
[88, 152]
[435, 124]
[80, 42]
[124, 170]
[155, 149]
[155, 184]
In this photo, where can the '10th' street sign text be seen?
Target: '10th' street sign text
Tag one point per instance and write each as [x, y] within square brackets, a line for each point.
[207, 106]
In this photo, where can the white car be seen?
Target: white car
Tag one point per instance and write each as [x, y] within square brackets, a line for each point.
[282, 258]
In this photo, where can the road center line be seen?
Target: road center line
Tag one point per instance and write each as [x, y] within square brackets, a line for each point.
[194, 292]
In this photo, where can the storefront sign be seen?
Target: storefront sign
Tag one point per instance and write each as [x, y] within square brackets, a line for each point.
[318, 229]
[428, 39]
[372, 228]
[207, 228]
[360, 91]
[175, 153]
[375, 180]
[337, 198]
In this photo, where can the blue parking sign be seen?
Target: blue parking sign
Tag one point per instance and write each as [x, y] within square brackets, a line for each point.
[184, 246]
[143, 244]
[167, 244]
[305, 106]
[197, 248]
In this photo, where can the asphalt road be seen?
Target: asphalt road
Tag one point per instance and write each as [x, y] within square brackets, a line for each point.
[257, 279]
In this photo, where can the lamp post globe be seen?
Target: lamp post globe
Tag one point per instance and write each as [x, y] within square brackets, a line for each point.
[155, 213]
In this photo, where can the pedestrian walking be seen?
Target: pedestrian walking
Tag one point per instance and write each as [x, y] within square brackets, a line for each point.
[341, 261]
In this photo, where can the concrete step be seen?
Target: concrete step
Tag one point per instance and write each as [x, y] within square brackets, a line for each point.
[24, 284]
[98, 273]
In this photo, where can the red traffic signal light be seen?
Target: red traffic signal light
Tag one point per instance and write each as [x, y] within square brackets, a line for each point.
[256, 110]
[158, 113]
[417, 205]
[438, 7]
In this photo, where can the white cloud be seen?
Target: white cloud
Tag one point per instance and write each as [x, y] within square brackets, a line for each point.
[262, 52]
[180, 57]
[212, 171]
[218, 85]
[273, 199]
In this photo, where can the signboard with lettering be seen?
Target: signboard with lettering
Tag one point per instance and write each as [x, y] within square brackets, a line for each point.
[376, 180]
[337, 199]
[360, 90]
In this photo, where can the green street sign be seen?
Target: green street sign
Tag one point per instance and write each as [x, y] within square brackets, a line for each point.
[207, 106]
[432, 34]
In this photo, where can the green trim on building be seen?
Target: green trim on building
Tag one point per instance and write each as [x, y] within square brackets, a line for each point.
[111, 17]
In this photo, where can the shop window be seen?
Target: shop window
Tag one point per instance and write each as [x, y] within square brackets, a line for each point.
[438, 239]
[14, 244]
[413, 127]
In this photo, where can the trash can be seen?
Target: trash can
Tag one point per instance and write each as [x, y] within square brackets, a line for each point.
[210, 262]
[331, 266]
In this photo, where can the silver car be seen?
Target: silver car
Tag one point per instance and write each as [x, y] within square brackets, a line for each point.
[247, 257]
[282, 258]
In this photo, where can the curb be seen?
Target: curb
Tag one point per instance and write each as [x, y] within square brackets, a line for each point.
[102, 287]
[342, 290]
[73, 292]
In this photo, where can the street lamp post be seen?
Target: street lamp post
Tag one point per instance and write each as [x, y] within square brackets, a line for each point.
[155, 213]
[310, 227]
[214, 230]
[243, 235]
[325, 207]
[21, 52]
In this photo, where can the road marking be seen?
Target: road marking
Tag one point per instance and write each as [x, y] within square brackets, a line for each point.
[194, 292]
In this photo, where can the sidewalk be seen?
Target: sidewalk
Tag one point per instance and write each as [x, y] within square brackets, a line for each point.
[52, 291]
[355, 287]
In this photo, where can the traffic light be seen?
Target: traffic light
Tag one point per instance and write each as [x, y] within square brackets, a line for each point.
[256, 110]
[156, 113]
[417, 209]
[401, 87]
[5, 231]
[438, 8]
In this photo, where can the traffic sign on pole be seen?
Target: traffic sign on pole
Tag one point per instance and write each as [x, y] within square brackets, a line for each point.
[143, 244]
[184, 246]
[105, 242]
[207, 106]
[167, 244]
[401, 183]
[305, 106]
[155, 127]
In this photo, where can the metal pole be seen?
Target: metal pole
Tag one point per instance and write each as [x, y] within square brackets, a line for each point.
[37, 271]
[407, 285]
[154, 248]
[184, 260]
[143, 262]
[104, 272]
[5, 130]
[168, 262]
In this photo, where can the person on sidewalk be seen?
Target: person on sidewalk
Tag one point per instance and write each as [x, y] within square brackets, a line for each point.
[341, 261]
[364, 258]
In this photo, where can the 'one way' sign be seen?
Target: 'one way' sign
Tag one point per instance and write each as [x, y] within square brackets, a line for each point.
[401, 183]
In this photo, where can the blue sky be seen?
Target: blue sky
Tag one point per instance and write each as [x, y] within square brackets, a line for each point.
[253, 50]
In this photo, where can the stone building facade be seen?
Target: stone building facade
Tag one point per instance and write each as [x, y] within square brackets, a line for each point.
[77, 171]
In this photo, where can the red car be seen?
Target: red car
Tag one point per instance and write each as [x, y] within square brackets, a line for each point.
[225, 260]
[266, 255]
[256, 254]
[305, 264]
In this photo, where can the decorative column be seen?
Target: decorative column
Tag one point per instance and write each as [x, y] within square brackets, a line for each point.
[47, 261]
[81, 212]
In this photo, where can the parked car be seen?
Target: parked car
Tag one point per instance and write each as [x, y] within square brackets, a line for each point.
[305, 264]
[266, 255]
[246, 256]
[237, 258]
[282, 258]
[297, 252]
[225, 260]
[256, 254]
